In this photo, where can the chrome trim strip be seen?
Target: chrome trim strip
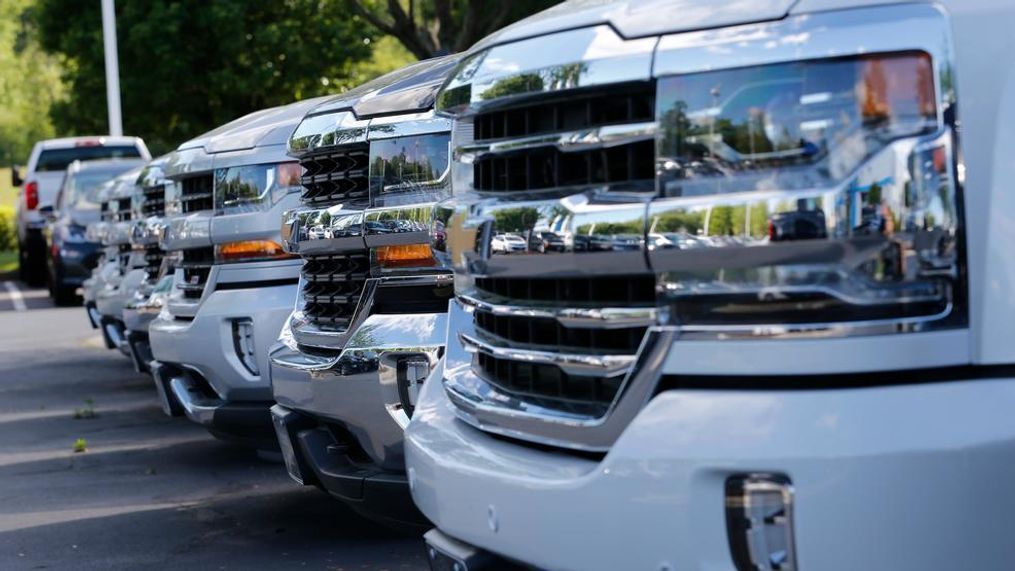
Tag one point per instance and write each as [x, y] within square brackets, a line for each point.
[576, 318]
[500, 413]
[566, 142]
[577, 364]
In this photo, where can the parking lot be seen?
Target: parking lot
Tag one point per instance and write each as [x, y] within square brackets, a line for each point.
[148, 490]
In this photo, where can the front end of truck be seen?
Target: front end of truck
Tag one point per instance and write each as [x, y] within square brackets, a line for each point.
[113, 277]
[147, 289]
[764, 342]
[233, 285]
[370, 319]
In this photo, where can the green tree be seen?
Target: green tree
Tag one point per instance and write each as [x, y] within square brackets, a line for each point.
[29, 82]
[187, 66]
[437, 27]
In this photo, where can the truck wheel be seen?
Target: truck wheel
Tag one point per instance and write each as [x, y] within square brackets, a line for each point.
[64, 296]
[31, 266]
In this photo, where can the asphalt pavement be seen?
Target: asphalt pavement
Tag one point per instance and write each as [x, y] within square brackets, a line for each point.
[148, 490]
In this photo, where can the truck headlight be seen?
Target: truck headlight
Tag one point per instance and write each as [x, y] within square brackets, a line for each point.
[253, 188]
[821, 193]
[409, 170]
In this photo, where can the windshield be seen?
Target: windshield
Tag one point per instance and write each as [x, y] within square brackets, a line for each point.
[58, 159]
[79, 189]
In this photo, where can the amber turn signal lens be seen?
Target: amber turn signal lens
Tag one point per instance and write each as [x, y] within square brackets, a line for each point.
[404, 255]
[249, 250]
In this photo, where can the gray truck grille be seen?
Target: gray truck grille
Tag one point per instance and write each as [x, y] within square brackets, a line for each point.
[196, 264]
[196, 193]
[332, 286]
[336, 176]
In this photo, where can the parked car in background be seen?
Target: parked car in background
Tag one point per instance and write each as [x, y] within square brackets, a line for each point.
[71, 256]
[836, 397]
[369, 321]
[44, 174]
[233, 284]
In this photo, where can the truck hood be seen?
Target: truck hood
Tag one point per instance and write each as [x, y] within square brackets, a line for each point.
[261, 128]
[412, 88]
[639, 18]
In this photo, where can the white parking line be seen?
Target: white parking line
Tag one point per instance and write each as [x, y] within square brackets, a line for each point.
[16, 299]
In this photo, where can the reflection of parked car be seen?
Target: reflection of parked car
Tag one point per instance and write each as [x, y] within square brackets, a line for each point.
[626, 242]
[545, 242]
[71, 257]
[507, 243]
[680, 240]
[797, 225]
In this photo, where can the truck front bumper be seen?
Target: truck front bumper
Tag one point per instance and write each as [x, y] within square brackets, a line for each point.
[214, 367]
[347, 412]
[902, 478]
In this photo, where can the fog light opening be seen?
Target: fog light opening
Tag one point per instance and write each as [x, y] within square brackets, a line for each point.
[243, 344]
[759, 522]
[412, 372]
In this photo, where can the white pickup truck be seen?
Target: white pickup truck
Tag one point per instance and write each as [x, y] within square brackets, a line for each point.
[44, 175]
[233, 284]
[822, 378]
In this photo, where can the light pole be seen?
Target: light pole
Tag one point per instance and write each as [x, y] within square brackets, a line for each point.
[112, 68]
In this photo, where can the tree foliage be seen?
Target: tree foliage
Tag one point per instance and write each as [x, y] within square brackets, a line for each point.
[429, 28]
[187, 66]
[29, 83]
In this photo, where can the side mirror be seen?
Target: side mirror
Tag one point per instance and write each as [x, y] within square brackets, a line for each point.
[16, 179]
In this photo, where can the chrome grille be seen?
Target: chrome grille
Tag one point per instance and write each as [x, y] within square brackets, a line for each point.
[196, 265]
[526, 326]
[332, 286]
[337, 175]
[196, 193]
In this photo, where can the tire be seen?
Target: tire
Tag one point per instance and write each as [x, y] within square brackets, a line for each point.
[65, 296]
[32, 264]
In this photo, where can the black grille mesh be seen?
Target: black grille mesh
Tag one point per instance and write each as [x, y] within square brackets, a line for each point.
[332, 286]
[636, 290]
[549, 333]
[154, 200]
[549, 386]
[624, 167]
[196, 193]
[338, 175]
[196, 264]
